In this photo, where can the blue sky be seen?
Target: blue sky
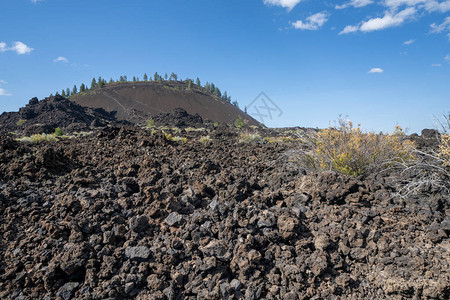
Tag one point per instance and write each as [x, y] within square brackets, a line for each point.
[381, 63]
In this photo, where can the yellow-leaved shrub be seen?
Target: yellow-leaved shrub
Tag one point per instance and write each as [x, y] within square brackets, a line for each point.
[350, 151]
[444, 149]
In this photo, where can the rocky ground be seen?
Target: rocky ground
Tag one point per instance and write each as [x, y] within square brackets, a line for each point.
[123, 214]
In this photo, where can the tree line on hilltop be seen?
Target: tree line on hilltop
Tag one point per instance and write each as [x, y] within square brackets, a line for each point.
[100, 82]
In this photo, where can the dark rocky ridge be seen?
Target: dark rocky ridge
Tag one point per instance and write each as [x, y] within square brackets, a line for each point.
[45, 115]
[123, 214]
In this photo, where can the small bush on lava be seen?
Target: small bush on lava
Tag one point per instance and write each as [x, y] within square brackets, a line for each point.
[59, 131]
[350, 151]
[37, 138]
[21, 122]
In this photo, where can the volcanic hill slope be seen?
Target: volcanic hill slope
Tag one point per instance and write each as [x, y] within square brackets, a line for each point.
[129, 213]
[137, 101]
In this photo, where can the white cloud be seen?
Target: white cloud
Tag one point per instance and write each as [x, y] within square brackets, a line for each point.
[387, 21]
[432, 6]
[354, 3]
[2, 82]
[441, 27]
[349, 29]
[394, 4]
[36, 1]
[289, 4]
[61, 59]
[398, 12]
[18, 47]
[376, 70]
[409, 42]
[436, 65]
[3, 92]
[447, 57]
[312, 22]
[21, 48]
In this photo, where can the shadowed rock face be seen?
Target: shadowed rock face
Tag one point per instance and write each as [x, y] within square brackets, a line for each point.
[138, 101]
[125, 214]
[45, 115]
[178, 118]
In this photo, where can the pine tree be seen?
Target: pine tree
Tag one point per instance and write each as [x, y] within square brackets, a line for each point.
[82, 88]
[225, 96]
[197, 81]
[121, 79]
[93, 84]
[189, 84]
[212, 87]
[145, 77]
[235, 103]
[74, 90]
[207, 86]
[173, 76]
[156, 76]
[134, 78]
[137, 78]
[217, 92]
[125, 78]
[63, 93]
[101, 83]
[111, 80]
[68, 92]
[165, 76]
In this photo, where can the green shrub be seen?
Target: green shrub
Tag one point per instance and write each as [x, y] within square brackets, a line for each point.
[21, 122]
[239, 122]
[150, 123]
[59, 131]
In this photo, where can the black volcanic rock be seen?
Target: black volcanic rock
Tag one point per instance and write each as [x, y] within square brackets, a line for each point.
[178, 118]
[45, 115]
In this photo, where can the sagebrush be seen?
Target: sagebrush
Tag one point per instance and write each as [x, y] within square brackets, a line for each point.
[348, 150]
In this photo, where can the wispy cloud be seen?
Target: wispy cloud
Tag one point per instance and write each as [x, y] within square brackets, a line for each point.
[376, 70]
[388, 20]
[447, 57]
[3, 92]
[313, 22]
[289, 4]
[444, 26]
[36, 1]
[397, 12]
[18, 47]
[436, 65]
[61, 59]
[354, 3]
[409, 42]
